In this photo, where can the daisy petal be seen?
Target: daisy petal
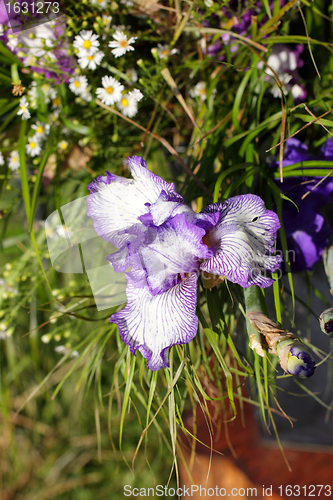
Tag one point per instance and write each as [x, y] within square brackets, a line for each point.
[152, 324]
[243, 240]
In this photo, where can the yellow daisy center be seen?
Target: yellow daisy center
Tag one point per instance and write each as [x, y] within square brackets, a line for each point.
[202, 91]
[109, 90]
[14, 159]
[32, 145]
[23, 107]
[87, 44]
[90, 58]
[56, 101]
[40, 129]
[123, 43]
[124, 102]
[165, 52]
[77, 84]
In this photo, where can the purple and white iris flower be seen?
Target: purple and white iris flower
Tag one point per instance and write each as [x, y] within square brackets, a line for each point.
[167, 245]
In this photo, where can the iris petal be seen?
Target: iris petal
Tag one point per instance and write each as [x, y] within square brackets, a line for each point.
[177, 248]
[243, 241]
[169, 205]
[152, 324]
[115, 203]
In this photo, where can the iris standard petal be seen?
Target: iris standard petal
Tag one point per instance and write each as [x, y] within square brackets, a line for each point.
[115, 203]
[176, 249]
[169, 205]
[243, 240]
[152, 324]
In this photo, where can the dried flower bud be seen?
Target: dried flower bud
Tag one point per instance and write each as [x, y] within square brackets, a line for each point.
[326, 322]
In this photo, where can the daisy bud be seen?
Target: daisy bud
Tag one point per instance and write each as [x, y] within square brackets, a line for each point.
[295, 358]
[154, 53]
[141, 63]
[326, 322]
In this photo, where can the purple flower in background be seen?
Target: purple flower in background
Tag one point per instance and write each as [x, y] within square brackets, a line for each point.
[307, 231]
[167, 245]
[236, 17]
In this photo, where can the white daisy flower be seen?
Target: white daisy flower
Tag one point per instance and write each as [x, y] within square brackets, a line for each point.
[24, 108]
[78, 84]
[12, 42]
[33, 148]
[91, 61]
[86, 43]
[32, 92]
[1, 30]
[30, 60]
[106, 20]
[199, 91]
[164, 51]
[101, 3]
[2, 161]
[136, 94]
[128, 105]
[64, 231]
[111, 91]
[49, 92]
[132, 75]
[14, 160]
[56, 103]
[63, 145]
[121, 45]
[42, 130]
[86, 96]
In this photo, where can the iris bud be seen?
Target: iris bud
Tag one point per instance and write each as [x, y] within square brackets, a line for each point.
[295, 358]
[326, 322]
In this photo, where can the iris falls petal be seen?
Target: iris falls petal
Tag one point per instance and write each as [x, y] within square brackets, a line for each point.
[243, 240]
[152, 324]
